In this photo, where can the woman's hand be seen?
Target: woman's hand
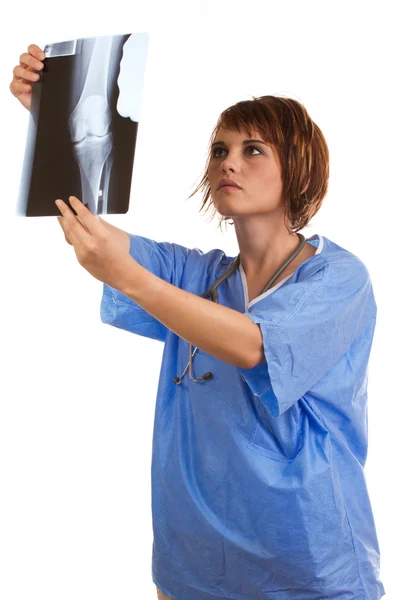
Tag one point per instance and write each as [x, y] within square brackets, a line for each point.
[123, 235]
[103, 252]
[25, 74]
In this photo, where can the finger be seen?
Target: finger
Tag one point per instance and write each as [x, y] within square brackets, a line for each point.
[19, 87]
[67, 226]
[31, 61]
[22, 73]
[87, 219]
[59, 219]
[83, 225]
[36, 52]
[71, 225]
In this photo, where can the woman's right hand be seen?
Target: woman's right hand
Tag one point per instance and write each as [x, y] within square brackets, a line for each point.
[25, 74]
[124, 235]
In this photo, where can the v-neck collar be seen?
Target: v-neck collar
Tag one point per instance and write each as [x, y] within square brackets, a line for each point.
[275, 287]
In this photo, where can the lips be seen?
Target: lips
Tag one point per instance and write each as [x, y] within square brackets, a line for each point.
[228, 182]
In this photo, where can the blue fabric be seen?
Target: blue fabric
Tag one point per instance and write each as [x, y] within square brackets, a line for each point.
[258, 487]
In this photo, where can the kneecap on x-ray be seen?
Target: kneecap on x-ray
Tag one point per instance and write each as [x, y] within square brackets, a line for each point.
[90, 128]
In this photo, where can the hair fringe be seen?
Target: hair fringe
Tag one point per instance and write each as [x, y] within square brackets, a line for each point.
[300, 146]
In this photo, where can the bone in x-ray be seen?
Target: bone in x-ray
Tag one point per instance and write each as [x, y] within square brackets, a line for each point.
[90, 127]
[102, 81]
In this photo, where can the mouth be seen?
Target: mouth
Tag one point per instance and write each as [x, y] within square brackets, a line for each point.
[228, 188]
[228, 182]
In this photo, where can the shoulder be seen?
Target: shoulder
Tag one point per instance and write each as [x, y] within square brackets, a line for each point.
[210, 261]
[332, 262]
[330, 280]
[341, 277]
[343, 266]
[200, 268]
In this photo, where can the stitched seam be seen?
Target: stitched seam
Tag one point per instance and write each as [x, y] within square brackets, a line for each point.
[355, 552]
[345, 508]
[264, 391]
[305, 297]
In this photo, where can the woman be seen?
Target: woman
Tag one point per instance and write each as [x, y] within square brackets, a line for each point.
[258, 487]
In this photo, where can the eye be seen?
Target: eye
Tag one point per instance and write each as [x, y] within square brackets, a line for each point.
[254, 148]
[215, 150]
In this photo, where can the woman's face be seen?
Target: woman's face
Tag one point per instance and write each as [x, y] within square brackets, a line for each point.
[253, 165]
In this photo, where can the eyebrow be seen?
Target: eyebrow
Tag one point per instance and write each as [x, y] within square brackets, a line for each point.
[244, 142]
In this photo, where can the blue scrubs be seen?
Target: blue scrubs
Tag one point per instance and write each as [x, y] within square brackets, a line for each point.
[258, 486]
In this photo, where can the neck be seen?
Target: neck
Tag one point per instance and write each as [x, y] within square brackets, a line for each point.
[263, 244]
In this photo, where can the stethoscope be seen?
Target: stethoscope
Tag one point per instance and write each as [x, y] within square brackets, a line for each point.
[212, 292]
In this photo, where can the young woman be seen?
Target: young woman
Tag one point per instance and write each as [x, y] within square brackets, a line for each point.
[260, 433]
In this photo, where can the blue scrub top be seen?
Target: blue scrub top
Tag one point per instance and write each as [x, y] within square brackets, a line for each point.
[258, 485]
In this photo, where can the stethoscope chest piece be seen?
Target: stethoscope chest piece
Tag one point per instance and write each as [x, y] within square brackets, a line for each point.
[213, 294]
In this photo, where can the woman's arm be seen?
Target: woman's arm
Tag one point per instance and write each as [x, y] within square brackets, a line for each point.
[222, 332]
[218, 330]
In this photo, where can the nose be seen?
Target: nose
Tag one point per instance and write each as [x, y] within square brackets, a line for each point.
[229, 164]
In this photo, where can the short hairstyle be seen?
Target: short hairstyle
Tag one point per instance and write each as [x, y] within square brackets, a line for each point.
[297, 142]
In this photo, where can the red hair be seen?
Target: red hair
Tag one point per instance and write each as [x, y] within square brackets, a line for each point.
[299, 145]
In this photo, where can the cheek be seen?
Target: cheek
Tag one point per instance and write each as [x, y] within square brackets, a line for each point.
[269, 177]
[212, 176]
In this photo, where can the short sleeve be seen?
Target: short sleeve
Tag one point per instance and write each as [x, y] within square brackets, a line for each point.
[306, 327]
[163, 259]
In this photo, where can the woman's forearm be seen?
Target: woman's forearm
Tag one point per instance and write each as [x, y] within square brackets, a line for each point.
[220, 331]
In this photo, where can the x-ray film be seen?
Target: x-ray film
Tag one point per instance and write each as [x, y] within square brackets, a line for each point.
[83, 125]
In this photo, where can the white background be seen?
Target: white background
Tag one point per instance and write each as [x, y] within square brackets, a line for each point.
[78, 396]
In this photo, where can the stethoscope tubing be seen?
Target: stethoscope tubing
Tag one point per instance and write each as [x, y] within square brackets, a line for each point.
[213, 293]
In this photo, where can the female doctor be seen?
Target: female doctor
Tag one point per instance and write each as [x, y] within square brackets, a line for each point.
[260, 433]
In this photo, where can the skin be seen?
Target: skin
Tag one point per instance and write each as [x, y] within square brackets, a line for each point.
[25, 74]
[218, 330]
[257, 209]
[103, 250]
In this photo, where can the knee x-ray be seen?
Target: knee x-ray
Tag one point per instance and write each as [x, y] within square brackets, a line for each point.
[83, 125]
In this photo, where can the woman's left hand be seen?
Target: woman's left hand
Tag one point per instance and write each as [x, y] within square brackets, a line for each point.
[98, 250]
